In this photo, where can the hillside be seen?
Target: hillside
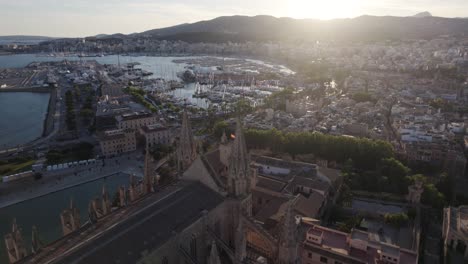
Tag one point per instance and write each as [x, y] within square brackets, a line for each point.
[240, 28]
[22, 39]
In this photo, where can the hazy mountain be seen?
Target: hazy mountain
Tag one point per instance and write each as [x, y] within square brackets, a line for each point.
[241, 28]
[23, 39]
[423, 14]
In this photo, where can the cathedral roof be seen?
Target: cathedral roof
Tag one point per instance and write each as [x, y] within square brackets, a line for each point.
[149, 229]
[215, 165]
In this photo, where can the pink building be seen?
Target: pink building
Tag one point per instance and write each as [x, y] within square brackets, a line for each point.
[324, 245]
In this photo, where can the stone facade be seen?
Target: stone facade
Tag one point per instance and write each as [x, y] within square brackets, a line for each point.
[156, 134]
[455, 230]
[136, 120]
[115, 142]
[15, 244]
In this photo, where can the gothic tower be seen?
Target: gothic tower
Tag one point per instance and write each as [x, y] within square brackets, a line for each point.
[36, 243]
[106, 203]
[214, 255]
[15, 244]
[148, 173]
[288, 238]
[70, 219]
[224, 150]
[186, 148]
[241, 243]
[239, 166]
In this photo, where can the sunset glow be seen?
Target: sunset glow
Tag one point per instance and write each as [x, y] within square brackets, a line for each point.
[319, 9]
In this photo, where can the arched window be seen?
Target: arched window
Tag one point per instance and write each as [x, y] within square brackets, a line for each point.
[165, 260]
[193, 247]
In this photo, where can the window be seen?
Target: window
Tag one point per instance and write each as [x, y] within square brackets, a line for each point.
[337, 262]
[323, 260]
[165, 260]
[309, 255]
[193, 247]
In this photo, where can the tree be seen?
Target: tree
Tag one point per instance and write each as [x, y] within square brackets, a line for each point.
[396, 174]
[431, 196]
[243, 107]
[220, 127]
[365, 153]
[86, 113]
[397, 220]
[277, 100]
[446, 185]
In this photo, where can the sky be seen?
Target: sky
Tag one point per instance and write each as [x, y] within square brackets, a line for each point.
[78, 18]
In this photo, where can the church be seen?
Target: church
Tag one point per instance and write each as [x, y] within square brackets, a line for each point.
[206, 216]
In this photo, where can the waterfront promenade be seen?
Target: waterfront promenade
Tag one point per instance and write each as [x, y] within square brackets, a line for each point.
[15, 192]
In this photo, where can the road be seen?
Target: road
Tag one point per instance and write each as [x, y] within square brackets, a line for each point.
[18, 191]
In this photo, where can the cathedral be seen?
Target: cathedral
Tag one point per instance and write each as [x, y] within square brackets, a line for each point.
[228, 171]
[203, 217]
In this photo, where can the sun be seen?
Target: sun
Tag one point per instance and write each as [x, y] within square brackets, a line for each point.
[320, 9]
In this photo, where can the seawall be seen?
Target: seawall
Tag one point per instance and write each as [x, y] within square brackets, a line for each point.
[28, 90]
[49, 120]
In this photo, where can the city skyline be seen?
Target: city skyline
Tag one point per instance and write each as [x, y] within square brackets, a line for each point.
[86, 18]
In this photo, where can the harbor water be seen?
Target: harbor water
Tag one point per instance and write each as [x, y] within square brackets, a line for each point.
[44, 212]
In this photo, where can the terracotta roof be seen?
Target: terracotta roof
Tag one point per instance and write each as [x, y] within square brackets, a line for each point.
[310, 207]
[331, 174]
[270, 204]
[270, 184]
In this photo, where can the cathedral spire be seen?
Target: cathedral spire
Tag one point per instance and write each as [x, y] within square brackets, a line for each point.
[241, 243]
[224, 139]
[106, 203]
[14, 244]
[14, 226]
[35, 241]
[148, 173]
[186, 149]
[288, 236]
[214, 255]
[239, 165]
[289, 225]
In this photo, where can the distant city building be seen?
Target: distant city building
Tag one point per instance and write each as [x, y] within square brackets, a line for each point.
[156, 134]
[455, 231]
[324, 245]
[112, 90]
[136, 120]
[114, 142]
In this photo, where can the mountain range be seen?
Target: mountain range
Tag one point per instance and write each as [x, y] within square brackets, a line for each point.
[268, 28]
[17, 39]
[239, 28]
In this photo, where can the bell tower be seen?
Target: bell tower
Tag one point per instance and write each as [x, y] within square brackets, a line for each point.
[288, 245]
[186, 149]
[239, 166]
